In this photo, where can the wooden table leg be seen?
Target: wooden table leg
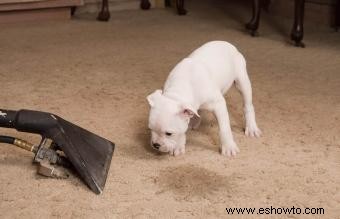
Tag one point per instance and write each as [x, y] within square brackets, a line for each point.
[265, 5]
[104, 14]
[180, 7]
[73, 10]
[337, 15]
[253, 24]
[297, 32]
[145, 4]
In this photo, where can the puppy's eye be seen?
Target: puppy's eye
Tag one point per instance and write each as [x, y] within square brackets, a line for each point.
[168, 133]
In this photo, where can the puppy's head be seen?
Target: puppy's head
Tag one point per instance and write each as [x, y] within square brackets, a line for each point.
[168, 122]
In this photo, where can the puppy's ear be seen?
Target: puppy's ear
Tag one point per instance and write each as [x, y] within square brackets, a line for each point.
[152, 98]
[189, 112]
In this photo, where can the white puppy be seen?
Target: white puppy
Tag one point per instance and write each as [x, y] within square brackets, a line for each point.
[199, 82]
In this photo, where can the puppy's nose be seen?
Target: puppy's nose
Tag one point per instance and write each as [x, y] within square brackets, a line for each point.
[156, 145]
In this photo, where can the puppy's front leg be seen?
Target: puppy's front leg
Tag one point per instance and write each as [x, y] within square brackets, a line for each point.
[228, 145]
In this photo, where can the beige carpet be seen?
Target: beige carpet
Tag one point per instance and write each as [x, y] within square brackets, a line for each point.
[97, 75]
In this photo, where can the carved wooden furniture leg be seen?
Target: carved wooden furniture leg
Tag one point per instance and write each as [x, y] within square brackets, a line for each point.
[337, 15]
[145, 4]
[73, 10]
[253, 24]
[104, 14]
[297, 32]
[266, 4]
[180, 7]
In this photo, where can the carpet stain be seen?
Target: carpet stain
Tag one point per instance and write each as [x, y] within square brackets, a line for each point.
[189, 182]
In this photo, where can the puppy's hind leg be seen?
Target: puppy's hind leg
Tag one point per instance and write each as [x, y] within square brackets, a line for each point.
[244, 86]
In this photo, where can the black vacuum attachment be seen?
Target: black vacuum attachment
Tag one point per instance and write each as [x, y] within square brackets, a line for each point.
[89, 154]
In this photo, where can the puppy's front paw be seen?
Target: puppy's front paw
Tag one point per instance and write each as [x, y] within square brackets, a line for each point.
[229, 150]
[178, 151]
[252, 130]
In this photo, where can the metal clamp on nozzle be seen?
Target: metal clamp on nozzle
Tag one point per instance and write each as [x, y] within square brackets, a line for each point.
[46, 156]
[46, 169]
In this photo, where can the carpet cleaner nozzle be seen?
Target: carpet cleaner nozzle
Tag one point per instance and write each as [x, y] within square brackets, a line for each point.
[63, 143]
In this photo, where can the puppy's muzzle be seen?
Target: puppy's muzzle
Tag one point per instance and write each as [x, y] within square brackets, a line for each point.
[156, 145]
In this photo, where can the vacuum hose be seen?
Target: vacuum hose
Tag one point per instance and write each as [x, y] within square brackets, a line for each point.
[7, 118]
[18, 142]
[29, 121]
[6, 139]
